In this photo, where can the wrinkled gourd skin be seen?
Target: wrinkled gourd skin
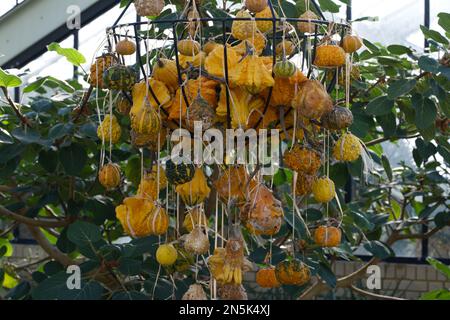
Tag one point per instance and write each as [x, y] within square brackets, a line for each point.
[195, 217]
[149, 8]
[178, 174]
[109, 130]
[195, 191]
[232, 184]
[178, 109]
[125, 47]
[323, 190]
[119, 77]
[265, 25]
[312, 101]
[306, 26]
[134, 215]
[242, 104]
[243, 29]
[293, 272]
[256, 6]
[257, 43]
[197, 242]
[251, 74]
[339, 118]
[214, 62]
[329, 56]
[200, 111]
[348, 148]
[262, 214]
[232, 292]
[303, 160]
[266, 278]
[100, 65]
[327, 236]
[109, 176]
[304, 184]
[284, 90]
[195, 61]
[195, 292]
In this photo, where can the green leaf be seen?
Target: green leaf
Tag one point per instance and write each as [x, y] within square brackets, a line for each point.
[380, 106]
[55, 288]
[360, 220]
[387, 166]
[46, 80]
[442, 219]
[60, 130]
[84, 233]
[8, 80]
[372, 47]
[5, 137]
[130, 267]
[439, 266]
[48, 159]
[389, 124]
[432, 34]
[129, 295]
[20, 291]
[329, 5]
[73, 158]
[398, 49]
[428, 64]
[425, 111]
[439, 294]
[400, 88]
[444, 152]
[379, 249]
[444, 21]
[327, 274]
[72, 55]
[26, 136]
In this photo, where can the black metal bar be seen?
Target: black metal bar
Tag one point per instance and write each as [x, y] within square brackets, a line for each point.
[427, 21]
[177, 59]
[313, 57]
[349, 10]
[76, 45]
[317, 7]
[122, 13]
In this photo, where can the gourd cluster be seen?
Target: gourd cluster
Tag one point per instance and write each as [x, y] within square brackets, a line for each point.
[260, 93]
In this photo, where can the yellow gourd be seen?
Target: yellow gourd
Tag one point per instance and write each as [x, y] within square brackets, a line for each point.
[109, 130]
[329, 56]
[285, 89]
[166, 255]
[265, 25]
[165, 70]
[243, 29]
[323, 190]
[214, 62]
[195, 191]
[109, 176]
[347, 148]
[251, 74]
[196, 61]
[256, 42]
[134, 215]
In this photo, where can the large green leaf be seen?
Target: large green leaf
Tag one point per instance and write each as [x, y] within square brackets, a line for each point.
[329, 5]
[425, 111]
[55, 288]
[379, 249]
[444, 21]
[8, 80]
[5, 137]
[433, 34]
[400, 88]
[428, 64]
[84, 233]
[439, 266]
[72, 55]
[380, 106]
[439, 294]
[73, 158]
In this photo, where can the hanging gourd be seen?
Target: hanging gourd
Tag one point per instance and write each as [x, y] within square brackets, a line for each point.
[192, 61]
[197, 241]
[329, 56]
[109, 130]
[351, 43]
[209, 46]
[285, 48]
[337, 119]
[200, 111]
[217, 264]
[327, 236]
[307, 26]
[195, 292]
[119, 77]
[154, 142]
[232, 184]
[266, 120]
[188, 47]
[284, 69]
[347, 148]
[149, 8]
[251, 74]
[145, 120]
[303, 160]
[285, 90]
[159, 221]
[134, 215]
[195, 217]
[241, 105]
[165, 70]
[166, 255]
[110, 176]
[257, 43]
[312, 101]
[193, 25]
[195, 191]
[232, 292]
[323, 190]
[265, 25]
[292, 272]
[266, 278]
[304, 184]
[123, 105]
[126, 47]
[179, 174]
[256, 6]
[207, 89]
[263, 213]
[214, 62]
[101, 64]
[148, 188]
[243, 29]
